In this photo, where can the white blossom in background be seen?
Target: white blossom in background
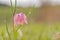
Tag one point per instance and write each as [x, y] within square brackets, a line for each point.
[23, 3]
[5, 2]
[29, 12]
[54, 2]
[51, 2]
[20, 34]
[6, 35]
[30, 3]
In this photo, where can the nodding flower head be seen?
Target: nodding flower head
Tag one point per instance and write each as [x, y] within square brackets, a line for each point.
[20, 19]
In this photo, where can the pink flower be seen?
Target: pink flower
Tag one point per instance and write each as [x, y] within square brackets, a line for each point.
[20, 19]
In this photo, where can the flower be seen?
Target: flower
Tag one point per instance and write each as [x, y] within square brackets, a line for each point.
[20, 19]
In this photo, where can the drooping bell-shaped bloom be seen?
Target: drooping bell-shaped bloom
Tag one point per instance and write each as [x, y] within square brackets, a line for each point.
[20, 19]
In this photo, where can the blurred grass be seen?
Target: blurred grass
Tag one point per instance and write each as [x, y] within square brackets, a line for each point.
[35, 31]
[32, 31]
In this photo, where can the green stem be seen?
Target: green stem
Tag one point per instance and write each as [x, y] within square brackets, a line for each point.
[3, 34]
[15, 7]
[12, 14]
[11, 6]
[18, 28]
[8, 31]
[13, 11]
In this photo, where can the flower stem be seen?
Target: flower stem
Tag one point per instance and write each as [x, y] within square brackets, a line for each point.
[11, 6]
[8, 31]
[17, 29]
[13, 11]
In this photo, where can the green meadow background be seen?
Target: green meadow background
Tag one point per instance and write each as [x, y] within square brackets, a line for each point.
[33, 30]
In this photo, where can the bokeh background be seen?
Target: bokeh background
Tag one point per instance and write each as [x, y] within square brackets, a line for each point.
[43, 17]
